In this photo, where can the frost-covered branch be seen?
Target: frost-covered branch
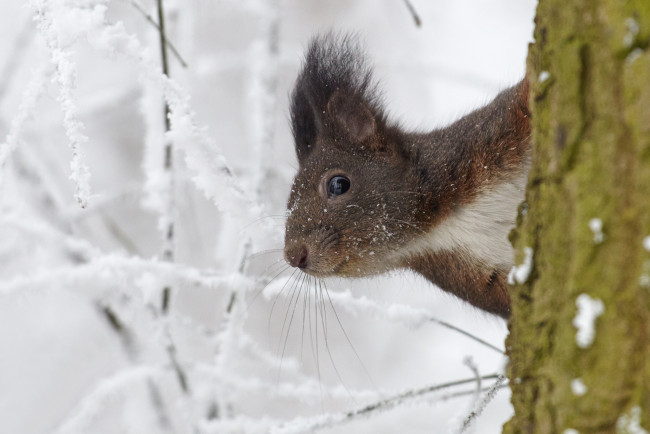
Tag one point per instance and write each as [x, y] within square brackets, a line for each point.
[66, 77]
[302, 425]
[31, 95]
[166, 224]
[99, 277]
[127, 340]
[264, 64]
[213, 175]
[482, 404]
[93, 404]
[167, 42]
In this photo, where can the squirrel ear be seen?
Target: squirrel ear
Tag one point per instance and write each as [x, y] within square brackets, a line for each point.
[353, 115]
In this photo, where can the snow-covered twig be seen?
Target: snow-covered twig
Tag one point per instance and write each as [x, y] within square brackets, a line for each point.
[306, 390]
[78, 249]
[482, 404]
[213, 175]
[151, 21]
[108, 270]
[66, 76]
[111, 388]
[167, 223]
[301, 425]
[264, 59]
[127, 340]
[32, 93]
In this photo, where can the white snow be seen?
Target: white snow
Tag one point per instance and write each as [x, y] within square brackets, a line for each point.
[596, 226]
[66, 77]
[646, 243]
[630, 423]
[632, 30]
[644, 280]
[578, 387]
[519, 273]
[571, 431]
[543, 76]
[585, 320]
[87, 98]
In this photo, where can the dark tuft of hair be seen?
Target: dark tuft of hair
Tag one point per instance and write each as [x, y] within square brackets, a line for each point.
[333, 62]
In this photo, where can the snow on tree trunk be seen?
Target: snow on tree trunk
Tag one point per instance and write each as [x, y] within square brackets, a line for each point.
[580, 328]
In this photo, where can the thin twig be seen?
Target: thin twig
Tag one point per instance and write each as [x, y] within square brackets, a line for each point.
[329, 421]
[127, 340]
[464, 333]
[405, 314]
[469, 362]
[480, 406]
[168, 247]
[414, 13]
[155, 24]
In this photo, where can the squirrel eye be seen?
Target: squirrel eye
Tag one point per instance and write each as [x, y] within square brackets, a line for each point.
[337, 185]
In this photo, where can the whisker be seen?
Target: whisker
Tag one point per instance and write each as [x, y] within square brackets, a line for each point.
[275, 300]
[302, 335]
[293, 313]
[294, 289]
[257, 294]
[338, 320]
[320, 383]
[263, 252]
[311, 337]
[260, 219]
[329, 352]
[280, 261]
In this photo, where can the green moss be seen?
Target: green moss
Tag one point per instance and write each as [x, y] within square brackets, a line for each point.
[591, 159]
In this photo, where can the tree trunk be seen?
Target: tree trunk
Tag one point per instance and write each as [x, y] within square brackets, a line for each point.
[586, 216]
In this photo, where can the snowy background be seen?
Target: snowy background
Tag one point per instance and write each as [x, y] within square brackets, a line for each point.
[86, 345]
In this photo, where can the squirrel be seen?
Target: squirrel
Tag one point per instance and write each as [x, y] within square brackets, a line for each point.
[370, 197]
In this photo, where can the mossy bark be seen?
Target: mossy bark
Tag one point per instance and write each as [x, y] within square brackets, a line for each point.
[589, 71]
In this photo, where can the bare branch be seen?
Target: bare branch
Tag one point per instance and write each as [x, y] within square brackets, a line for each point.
[469, 362]
[167, 42]
[480, 406]
[128, 343]
[328, 421]
[410, 316]
[464, 333]
[414, 13]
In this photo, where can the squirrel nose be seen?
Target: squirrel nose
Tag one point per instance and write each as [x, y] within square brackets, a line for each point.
[298, 257]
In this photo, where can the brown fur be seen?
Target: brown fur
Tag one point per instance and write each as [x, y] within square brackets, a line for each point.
[402, 184]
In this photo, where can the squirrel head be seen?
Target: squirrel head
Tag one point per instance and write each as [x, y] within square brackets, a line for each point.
[355, 198]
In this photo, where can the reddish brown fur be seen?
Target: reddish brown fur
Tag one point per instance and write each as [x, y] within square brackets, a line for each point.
[402, 185]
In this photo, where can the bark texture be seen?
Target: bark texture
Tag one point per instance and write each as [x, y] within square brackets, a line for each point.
[589, 71]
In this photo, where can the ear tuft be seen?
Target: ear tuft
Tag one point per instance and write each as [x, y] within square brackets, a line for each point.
[304, 123]
[353, 116]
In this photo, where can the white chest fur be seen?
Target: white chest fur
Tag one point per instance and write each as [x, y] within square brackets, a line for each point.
[479, 229]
